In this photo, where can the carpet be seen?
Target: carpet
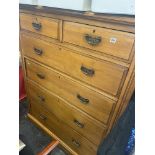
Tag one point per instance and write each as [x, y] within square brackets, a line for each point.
[36, 138]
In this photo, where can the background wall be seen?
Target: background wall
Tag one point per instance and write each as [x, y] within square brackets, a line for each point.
[101, 6]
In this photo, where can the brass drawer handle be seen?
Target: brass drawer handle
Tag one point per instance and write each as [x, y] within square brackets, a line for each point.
[41, 98]
[36, 26]
[92, 40]
[76, 143]
[38, 51]
[87, 71]
[42, 117]
[82, 99]
[41, 76]
[80, 125]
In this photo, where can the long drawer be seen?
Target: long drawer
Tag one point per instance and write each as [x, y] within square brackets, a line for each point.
[73, 139]
[41, 25]
[68, 114]
[111, 42]
[101, 74]
[82, 97]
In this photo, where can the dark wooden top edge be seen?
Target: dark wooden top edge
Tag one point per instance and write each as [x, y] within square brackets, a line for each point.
[122, 19]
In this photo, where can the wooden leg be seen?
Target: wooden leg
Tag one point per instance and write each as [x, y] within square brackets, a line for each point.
[49, 148]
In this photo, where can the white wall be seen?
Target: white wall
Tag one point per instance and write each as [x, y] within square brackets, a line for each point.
[101, 6]
[82, 5]
[114, 6]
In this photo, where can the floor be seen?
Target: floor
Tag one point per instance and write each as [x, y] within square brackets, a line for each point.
[37, 139]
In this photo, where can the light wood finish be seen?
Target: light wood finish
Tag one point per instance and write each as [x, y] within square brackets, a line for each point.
[117, 22]
[50, 133]
[107, 76]
[75, 108]
[115, 43]
[99, 107]
[78, 143]
[125, 95]
[83, 124]
[81, 50]
[49, 27]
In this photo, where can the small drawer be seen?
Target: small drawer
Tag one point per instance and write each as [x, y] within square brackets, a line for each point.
[41, 25]
[111, 42]
[103, 75]
[72, 138]
[88, 100]
[70, 115]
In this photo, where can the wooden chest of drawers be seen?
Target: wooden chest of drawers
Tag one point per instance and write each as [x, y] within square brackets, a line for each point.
[79, 73]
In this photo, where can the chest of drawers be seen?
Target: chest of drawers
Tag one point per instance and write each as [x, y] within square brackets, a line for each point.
[79, 73]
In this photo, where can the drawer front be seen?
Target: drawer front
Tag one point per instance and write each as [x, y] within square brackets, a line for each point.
[73, 139]
[103, 75]
[41, 25]
[68, 114]
[112, 42]
[80, 96]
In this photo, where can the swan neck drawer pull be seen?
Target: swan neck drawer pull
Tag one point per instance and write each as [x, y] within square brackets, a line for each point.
[76, 143]
[82, 99]
[38, 51]
[43, 117]
[87, 71]
[37, 26]
[41, 76]
[92, 40]
[80, 125]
